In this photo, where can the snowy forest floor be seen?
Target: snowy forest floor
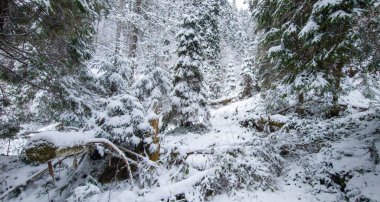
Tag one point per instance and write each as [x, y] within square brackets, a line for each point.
[317, 159]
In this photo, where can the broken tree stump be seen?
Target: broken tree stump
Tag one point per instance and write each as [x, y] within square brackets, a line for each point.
[153, 149]
[155, 155]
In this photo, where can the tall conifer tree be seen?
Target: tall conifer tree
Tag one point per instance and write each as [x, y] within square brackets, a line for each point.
[189, 96]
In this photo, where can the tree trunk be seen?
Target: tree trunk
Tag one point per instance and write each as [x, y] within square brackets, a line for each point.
[119, 28]
[4, 6]
[337, 74]
[51, 170]
[118, 36]
[134, 30]
[301, 100]
[9, 144]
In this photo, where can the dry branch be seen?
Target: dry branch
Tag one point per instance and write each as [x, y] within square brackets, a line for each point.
[112, 146]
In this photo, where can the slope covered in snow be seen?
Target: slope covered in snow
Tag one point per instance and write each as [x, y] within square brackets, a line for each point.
[308, 159]
[325, 160]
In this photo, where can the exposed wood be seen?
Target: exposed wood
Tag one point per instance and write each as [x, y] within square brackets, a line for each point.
[75, 162]
[317, 101]
[51, 170]
[263, 124]
[223, 102]
[154, 156]
[46, 151]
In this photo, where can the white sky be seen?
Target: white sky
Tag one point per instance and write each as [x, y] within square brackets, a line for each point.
[240, 4]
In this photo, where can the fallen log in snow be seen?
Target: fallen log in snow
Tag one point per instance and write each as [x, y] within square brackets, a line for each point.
[49, 145]
[268, 124]
[222, 102]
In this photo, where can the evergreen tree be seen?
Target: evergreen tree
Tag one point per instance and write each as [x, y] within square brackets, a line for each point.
[45, 45]
[189, 101]
[246, 81]
[121, 118]
[305, 46]
[115, 74]
[230, 80]
[215, 82]
[154, 84]
[123, 121]
[210, 26]
[366, 66]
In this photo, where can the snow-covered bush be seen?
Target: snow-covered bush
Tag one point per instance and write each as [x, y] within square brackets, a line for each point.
[153, 83]
[84, 193]
[247, 167]
[116, 73]
[123, 120]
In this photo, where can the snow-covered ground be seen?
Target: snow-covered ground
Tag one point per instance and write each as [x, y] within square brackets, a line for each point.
[325, 160]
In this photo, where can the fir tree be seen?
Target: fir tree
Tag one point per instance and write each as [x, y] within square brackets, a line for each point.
[55, 38]
[208, 15]
[305, 46]
[366, 66]
[123, 121]
[230, 80]
[189, 98]
[246, 82]
[154, 83]
[116, 73]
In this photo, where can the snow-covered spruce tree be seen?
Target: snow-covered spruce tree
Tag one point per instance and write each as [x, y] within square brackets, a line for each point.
[121, 117]
[230, 80]
[115, 74]
[305, 46]
[189, 98]
[154, 83]
[215, 82]
[209, 23]
[234, 25]
[56, 37]
[366, 66]
[246, 82]
[123, 121]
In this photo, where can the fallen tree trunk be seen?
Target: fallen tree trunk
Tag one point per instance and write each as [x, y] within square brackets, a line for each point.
[50, 145]
[222, 102]
[264, 124]
[343, 106]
